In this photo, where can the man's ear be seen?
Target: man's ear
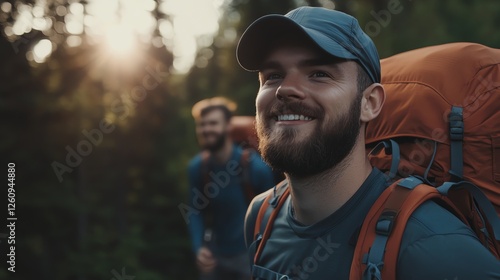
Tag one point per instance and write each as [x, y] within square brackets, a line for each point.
[372, 102]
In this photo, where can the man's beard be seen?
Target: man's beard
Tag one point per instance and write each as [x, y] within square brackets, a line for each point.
[325, 148]
[219, 142]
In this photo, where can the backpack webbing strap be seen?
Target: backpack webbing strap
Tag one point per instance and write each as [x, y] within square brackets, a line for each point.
[391, 147]
[381, 217]
[456, 120]
[267, 215]
[205, 177]
[265, 211]
[377, 249]
[205, 156]
[245, 176]
[480, 199]
[480, 212]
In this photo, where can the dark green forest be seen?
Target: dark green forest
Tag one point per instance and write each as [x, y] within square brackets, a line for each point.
[101, 144]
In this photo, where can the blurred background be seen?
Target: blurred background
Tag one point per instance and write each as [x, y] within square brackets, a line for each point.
[95, 99]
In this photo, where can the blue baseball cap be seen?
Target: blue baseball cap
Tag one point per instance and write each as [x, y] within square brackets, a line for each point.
[337, 33]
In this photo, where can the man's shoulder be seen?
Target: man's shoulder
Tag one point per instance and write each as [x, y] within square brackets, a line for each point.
[431, 218]
[431, 222]
[257, 201]
[251, 215]
[438, 245]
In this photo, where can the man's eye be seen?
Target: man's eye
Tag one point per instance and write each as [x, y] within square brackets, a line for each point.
[319, 74]
[273, 76]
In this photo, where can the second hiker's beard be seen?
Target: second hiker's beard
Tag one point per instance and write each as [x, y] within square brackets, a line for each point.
[216, 145]
[325, 148]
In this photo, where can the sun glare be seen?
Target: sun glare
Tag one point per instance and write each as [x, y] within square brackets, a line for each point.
[188, 25]
[42, 50]
[120, 40]
[119, 27]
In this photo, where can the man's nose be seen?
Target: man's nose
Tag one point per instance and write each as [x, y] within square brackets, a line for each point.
[291, 87]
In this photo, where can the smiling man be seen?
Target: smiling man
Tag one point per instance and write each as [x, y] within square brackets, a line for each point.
[320, 85]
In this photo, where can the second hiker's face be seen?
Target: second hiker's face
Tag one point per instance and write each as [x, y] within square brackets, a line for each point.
[212, 129]
[308, 110]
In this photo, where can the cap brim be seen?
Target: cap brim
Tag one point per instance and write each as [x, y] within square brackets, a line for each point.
[255, 42]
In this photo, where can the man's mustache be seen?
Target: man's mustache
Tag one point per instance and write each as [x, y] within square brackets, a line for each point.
[294, 107]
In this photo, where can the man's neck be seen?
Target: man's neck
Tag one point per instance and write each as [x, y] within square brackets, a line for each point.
[223, 154]
[315, 198]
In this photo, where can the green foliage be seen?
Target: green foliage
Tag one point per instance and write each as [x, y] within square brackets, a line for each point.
[426, 23]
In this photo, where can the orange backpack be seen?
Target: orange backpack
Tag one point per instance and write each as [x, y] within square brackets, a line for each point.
[442, 115]
[440, 124]
[243, 132]
[448, 95]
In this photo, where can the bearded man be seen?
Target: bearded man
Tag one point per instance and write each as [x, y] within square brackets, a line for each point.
[320, 85]
[218, 201]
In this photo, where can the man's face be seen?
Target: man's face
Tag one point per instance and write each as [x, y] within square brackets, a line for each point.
[308, 110]
[212, 129]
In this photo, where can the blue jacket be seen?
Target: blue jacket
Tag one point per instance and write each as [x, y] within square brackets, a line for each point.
[223, 199]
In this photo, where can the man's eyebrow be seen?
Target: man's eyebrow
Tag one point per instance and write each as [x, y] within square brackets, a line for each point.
[319, 61]
[322, 61]
[270, 65]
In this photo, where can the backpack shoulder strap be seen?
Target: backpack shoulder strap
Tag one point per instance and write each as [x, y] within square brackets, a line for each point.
[268, 212]
[479, 211]
[382, 230]
[205, 178]
[248, 189]
[377, 249]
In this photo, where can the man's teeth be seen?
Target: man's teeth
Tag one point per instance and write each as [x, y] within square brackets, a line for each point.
[292, 117]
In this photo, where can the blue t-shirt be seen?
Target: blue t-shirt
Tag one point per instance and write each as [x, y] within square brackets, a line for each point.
[222, 198]
[436, 244]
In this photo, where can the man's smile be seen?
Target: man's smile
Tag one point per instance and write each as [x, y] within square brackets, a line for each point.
[293, 117]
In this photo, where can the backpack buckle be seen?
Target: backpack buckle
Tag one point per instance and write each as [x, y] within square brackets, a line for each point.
[456, 120]
[385, 222]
